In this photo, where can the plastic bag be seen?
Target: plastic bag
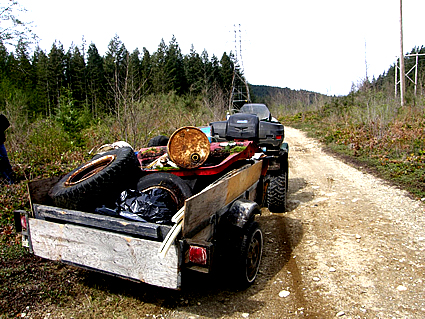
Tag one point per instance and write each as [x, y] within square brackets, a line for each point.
[155, 205]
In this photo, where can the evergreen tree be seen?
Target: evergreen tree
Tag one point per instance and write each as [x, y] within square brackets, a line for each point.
[215, 71]
[226, 72]
[3, 59]
[146, 72]
[134, 76]
[115, 71]
[55, 74]
[95, 80]
[25, 72]
[12, 67]
[76, 76]
[207, 75]
[176, 79]
[159, 72]
[194, 71]
[40, 62]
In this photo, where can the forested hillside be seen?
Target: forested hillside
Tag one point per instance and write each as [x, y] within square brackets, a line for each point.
[272, 95]
[99, 83]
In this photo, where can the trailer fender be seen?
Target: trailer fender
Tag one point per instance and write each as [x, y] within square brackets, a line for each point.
[241, 211]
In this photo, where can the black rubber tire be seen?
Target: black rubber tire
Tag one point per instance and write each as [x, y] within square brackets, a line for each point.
[249, 260]
[277, 193]
[159, 140]
[92, 185]
[179, 189]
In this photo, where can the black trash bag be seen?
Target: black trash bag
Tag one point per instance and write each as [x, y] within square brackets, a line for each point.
[116, 213]
[154, 205]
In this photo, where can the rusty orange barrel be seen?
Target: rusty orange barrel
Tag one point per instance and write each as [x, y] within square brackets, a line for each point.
[188, 147]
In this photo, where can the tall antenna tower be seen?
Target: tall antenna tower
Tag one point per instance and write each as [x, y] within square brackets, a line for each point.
[240, 90]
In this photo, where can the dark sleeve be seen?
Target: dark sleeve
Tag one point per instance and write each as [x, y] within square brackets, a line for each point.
[4, 123]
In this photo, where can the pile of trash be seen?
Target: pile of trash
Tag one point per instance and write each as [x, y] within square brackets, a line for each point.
[154, 206]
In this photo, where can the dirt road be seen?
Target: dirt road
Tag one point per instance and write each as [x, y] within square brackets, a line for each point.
[350, 247]
[357, 244]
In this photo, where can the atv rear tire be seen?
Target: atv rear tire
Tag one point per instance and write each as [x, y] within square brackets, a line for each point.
[277, 193]
[98, 182]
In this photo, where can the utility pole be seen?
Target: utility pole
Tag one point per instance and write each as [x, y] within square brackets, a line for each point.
[402, 71]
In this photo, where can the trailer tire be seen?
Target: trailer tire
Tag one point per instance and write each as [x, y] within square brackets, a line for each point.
[179, 189]
[250, 257]
[159, 140]
[277, 193]
[97, 182]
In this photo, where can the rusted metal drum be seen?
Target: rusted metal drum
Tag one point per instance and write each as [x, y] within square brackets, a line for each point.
[188, 147]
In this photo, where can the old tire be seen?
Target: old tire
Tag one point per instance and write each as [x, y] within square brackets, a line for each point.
[159, 140]
[97, 182]
[250, 257]
[277, 193]
[177, 187]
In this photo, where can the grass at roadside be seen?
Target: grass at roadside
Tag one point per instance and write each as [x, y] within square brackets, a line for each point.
[393, 149]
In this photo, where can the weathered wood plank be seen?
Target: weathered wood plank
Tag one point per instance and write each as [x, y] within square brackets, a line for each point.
[38, 190]
[206, 203]
[118, 254]
[101, 221]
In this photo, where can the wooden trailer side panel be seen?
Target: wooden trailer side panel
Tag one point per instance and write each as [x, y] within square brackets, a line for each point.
[216, 196]
[114, 253]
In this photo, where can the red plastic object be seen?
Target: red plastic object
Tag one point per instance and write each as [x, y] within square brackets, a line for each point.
[250, 148]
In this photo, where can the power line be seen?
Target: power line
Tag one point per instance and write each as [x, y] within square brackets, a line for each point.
[240, 89]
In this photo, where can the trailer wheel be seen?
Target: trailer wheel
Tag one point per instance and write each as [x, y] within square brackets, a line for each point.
[277, 193]
[159, 140]
[250, 258]
[178, 188]
[98, 182]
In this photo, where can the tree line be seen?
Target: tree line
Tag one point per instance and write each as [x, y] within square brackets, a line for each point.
[385, 82]
[99, 84]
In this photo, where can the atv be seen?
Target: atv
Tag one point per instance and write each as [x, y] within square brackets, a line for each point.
[254, 122]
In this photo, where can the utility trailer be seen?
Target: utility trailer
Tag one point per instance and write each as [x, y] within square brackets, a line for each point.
[215, 191]
[219, 215]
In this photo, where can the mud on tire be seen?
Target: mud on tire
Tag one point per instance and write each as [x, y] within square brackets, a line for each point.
[97, 182]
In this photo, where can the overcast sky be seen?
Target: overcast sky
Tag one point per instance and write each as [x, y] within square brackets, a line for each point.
[315, 45]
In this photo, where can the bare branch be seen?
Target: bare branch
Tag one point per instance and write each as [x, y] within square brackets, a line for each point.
[12, 28]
